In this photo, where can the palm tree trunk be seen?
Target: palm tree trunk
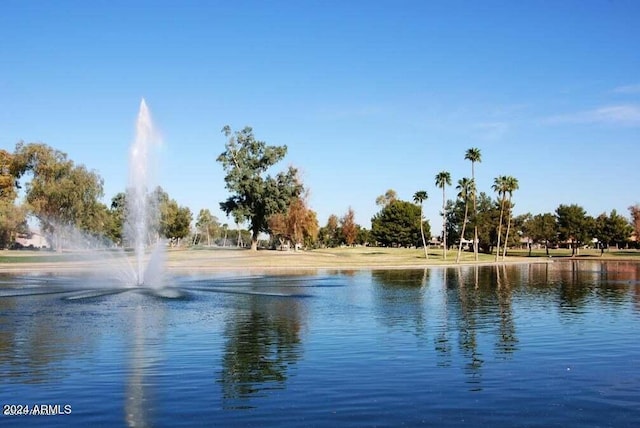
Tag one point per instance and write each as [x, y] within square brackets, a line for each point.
[506, 237]
[444, 227]
[424, 243]
[475, 214]
[475, 242]
[464, 225]
[500, 228]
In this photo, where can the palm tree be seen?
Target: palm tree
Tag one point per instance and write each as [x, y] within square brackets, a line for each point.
[443, 178]
[466, 188]
[473, 154]
[500, 186]
[511, 186]
[419, 197]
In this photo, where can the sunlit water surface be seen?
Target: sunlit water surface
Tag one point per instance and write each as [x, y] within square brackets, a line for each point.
[527, 345]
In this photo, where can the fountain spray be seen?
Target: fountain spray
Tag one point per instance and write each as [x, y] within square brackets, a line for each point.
[141, 218]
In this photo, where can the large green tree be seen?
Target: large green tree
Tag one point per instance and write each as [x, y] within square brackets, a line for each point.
[174, 222]
[179, 224]
[12, 216]
[542, 228]
[612, 229]
[455, 212]
[487, 221]
[255, 195]
[167, 219]
[398, 225]
[61, 195]
[12, 222]
[8, 183]
[443, 179]
[574, 225]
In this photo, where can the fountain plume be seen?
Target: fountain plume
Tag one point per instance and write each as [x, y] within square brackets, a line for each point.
[141, 219]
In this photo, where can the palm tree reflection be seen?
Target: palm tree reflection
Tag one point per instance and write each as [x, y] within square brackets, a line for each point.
[469, 305]
[507, 340]
[263, 342]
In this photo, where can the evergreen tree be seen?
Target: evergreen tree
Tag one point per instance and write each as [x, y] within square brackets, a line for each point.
[398, 225]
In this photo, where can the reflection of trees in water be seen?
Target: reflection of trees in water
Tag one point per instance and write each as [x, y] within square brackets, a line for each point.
[473, 301]
[399, 297]
[36, 333]
[400, 278]
[263, 341]
[479, 299]
[583, 282]
[507, 340]
[441, 340]
[468, 300]
[575, 286]
[617, 279]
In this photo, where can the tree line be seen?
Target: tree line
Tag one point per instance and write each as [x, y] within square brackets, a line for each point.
[65, 198]
[63, 195]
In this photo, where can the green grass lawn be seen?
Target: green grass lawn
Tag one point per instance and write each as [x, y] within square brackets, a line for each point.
[30, 257]
[347, 258]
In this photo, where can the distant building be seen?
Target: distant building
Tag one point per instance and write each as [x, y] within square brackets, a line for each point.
[32, 240]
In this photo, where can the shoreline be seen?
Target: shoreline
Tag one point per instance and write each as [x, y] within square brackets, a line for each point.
[218, 261]
[199, 267]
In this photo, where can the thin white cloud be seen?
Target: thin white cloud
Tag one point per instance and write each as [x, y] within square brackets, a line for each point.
[622, 115]
[492, 130]
[627, 89]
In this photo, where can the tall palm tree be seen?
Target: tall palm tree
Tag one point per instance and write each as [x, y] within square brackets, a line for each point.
[473, 155]
[419, 197]
[500, 186]
[511, 186]
[443, 178]
[466, 188]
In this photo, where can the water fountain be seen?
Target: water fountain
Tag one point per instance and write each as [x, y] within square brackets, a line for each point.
[141, 221]
[111, 267]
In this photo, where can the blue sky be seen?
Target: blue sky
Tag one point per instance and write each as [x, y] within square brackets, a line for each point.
[367, 95]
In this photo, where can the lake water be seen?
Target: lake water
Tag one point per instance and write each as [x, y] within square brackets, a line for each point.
[523, 345]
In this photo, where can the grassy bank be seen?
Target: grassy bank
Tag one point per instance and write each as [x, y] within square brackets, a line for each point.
[352, 258]
[583, 254]
[216, 259]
